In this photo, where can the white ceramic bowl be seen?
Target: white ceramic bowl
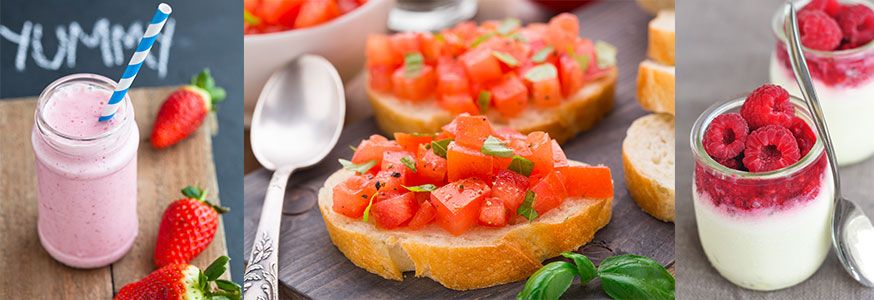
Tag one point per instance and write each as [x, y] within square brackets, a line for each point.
[341, 41]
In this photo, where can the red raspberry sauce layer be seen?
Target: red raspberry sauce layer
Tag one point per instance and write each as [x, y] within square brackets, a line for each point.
[846, 72]
[753, 194]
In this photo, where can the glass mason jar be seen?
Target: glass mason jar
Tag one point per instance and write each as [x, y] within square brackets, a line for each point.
[86, 172]
[762, 231]
[844, 83]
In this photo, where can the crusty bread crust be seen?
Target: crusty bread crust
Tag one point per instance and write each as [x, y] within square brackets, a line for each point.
[479, 258]
[574, 115]
[661, 38]
[654, 195]
[655, 87]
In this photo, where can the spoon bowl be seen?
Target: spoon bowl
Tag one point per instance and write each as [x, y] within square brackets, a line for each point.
[296, 123]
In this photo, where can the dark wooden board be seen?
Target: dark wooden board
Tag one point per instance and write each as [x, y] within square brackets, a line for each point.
[311, 266]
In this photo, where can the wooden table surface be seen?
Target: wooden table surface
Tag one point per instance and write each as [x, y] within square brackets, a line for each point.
[29, 272]
[724, 52]
[311, 266]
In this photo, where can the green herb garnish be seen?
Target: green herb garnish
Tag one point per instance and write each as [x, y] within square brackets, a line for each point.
[622, 277]
[359, 168]
[369, 204]
[421, 188]
[582, 60]
[409, 162]
[527, 208]
[506, 58]
[508, 25]
[251, 19]
[483, 101]
[440, 147]
[542, 54]
[495, 147]
[541, 72]
[605, 53]
[353, 148]
[521, 165]
[480, 39]
[413, 63]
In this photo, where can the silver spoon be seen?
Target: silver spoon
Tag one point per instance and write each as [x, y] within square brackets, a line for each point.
[852, 233]
[296, 122]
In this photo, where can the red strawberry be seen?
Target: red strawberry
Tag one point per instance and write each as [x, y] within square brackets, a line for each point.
[183, 281]
[770, 148]
[187, 227]
[766, 105]
[184, 110]
[725, 136]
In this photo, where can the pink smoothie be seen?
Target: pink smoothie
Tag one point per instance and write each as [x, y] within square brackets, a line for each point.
[86, 174]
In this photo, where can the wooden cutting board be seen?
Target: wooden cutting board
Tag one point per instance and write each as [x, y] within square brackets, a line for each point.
[30, 273]
[311, 266]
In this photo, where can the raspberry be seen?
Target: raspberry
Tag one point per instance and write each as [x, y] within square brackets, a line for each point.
[818, 30]
[768, 105]
[857, 23]
[770, 148]
[725, 136]
[734, 163]
[804, 136]
[830, 7]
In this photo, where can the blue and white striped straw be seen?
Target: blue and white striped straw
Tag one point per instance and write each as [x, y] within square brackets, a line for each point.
[130, 72]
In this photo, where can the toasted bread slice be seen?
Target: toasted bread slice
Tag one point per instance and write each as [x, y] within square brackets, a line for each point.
[661, 38]
[574, 115]
[648, 161]
[655, 87]
[479, 258]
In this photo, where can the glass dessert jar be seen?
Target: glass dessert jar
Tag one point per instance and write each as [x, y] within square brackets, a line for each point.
[762, 231]
[844, 81]
[86, 172]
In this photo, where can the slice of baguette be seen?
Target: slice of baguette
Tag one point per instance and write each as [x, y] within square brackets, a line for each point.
[661, 38]
[574, 115]
[648, 161]
[655, 87]
[479, 258]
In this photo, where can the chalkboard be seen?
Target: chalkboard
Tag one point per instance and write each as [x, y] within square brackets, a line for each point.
[43, 40]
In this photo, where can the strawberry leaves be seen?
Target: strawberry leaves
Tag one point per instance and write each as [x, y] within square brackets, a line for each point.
[205, 81]
[224, 289]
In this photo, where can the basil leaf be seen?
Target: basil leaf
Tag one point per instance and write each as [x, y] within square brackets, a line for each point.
[605, 54]
[353, 148]
[495, 147]
[506, 58]
[409, 162]
[250, 19]
[541, 72]
[585, 268]
[521, 165]
[549, 282]
[440, 147]
[413, 63]
[481, 39]
[421, 134]
[508, 25]
[527, 208]
[483, 101]
[582, 60]
[439, 37]
[421, 188]
[542, 55]
[359, 168]
[635, 277]
[370, 204]
[518, 36]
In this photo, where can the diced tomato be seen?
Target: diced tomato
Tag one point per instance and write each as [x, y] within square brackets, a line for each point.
[380, 52]
[563, 30]
[423, 216]
[432, 49]
[518, 50]
[391, 162]
[455, 44]
[411, 142]
[405, 43]
[352, 196]
[587, 181]
[510, 188]
[279, 12]
[380, 78]
[390, 183]
[540, 146]
[373, 149]
[451, 128]
[571, 75]
[392, 213]
[419, 86]
[558, 157]
[472, 131]
[458, 204]
[458, 103]
[481, 66]
[451, 78]
[585, 47]
[252, 6]
[463, 162]
[510, 95]
[430, 168]
[508, 134]
[313, 13]
[493, 213]
[546, 93]
[549, 193]
[534, 33]
[520, 147]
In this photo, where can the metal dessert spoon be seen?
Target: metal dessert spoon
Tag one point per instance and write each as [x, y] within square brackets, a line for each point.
[852, 233]
[296, 123]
